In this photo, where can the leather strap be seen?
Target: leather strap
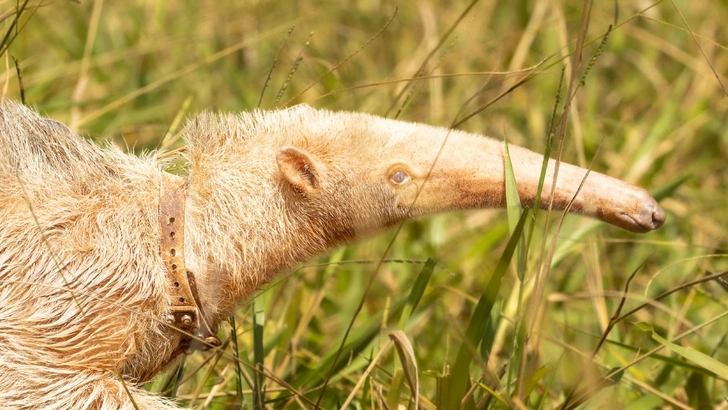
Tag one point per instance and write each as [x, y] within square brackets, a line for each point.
[185, 313]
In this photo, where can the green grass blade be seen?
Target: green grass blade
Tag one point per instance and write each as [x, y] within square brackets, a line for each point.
[258, 354]
[486, 345]
[669, 189]
[697, 391]
[418, 289]
[535, 378]
[513, 208]
[460, 380]
[494, 394]
[549, 384]
[513, 200]
[236, 353]
[701, 359]
[407, 358]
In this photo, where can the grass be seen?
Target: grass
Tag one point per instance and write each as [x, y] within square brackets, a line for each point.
[650, 111]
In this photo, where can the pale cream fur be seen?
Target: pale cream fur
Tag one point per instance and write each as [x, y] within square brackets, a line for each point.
[83, 290]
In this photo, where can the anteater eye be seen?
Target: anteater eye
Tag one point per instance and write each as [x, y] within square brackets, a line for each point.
[400, 177]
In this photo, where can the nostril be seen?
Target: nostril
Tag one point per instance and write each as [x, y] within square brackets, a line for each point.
[658, 217]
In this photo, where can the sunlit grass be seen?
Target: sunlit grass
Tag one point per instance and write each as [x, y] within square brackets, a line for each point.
[651, 110]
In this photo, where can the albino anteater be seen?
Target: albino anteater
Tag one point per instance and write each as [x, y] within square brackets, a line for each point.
[95, 245]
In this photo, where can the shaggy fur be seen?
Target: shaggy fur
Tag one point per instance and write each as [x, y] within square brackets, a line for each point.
[83, 290]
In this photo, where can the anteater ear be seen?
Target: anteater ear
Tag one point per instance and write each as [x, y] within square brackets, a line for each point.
[300, 169]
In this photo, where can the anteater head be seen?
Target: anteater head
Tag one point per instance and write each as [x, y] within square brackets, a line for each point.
[354, 174]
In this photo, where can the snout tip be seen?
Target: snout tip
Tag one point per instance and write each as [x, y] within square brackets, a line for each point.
[658, 216]
[649, 217]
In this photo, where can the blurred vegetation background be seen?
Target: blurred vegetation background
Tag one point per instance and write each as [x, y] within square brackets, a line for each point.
[652, 111]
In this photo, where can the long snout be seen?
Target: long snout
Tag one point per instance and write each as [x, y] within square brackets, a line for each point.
[599, 196]
[469, 172]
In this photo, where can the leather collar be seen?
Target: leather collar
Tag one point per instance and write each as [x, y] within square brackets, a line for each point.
[185, 312]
